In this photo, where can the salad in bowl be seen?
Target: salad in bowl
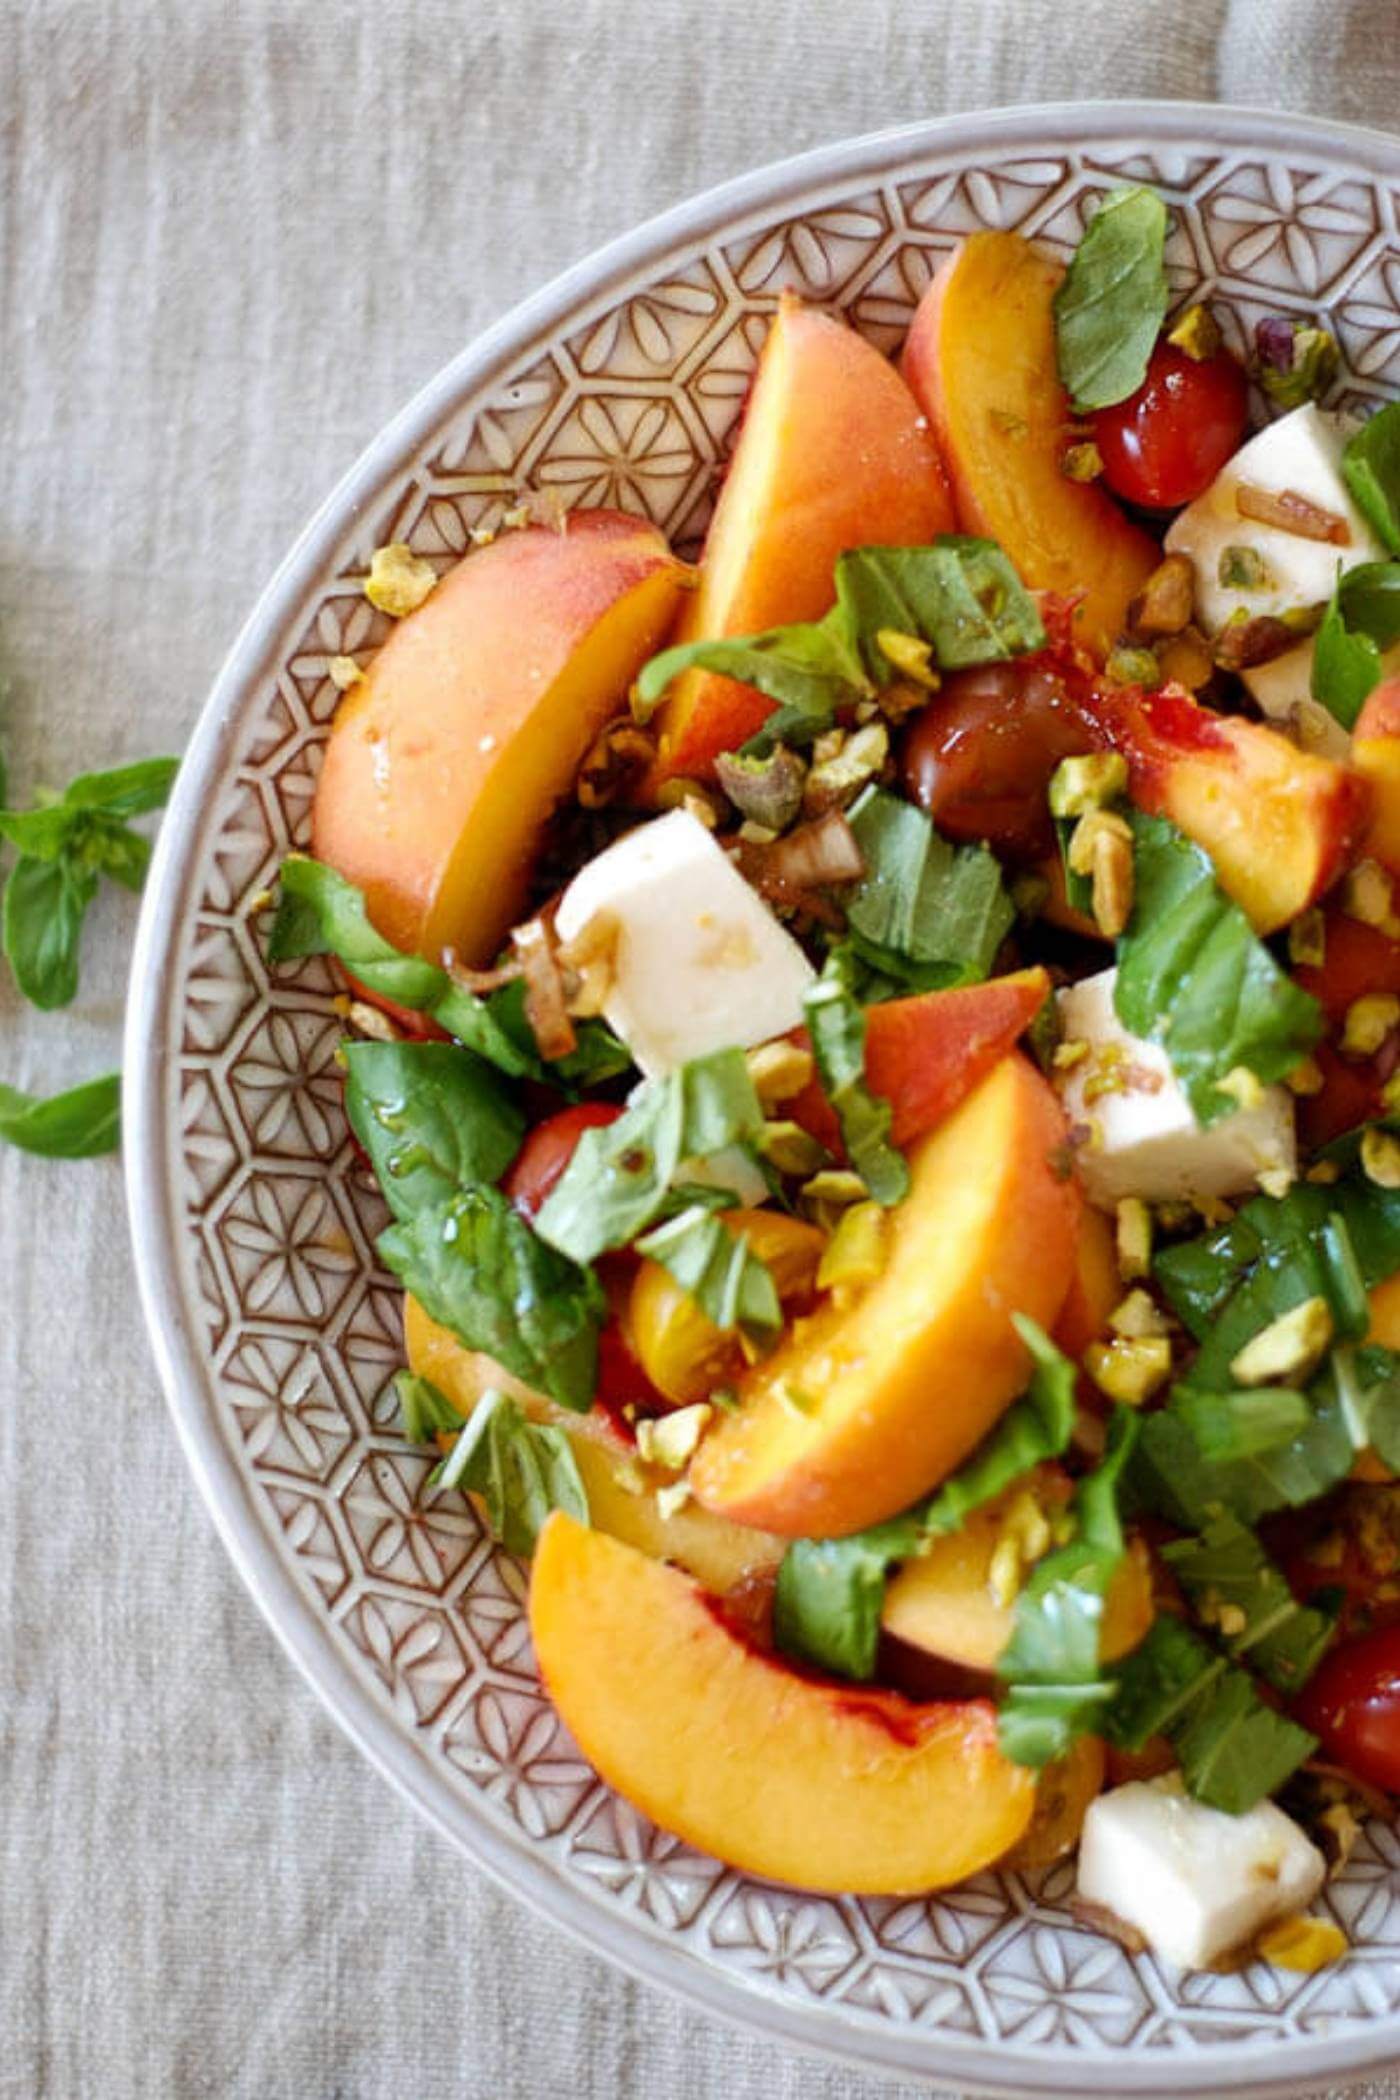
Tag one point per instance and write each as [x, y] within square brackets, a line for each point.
[881, 1052]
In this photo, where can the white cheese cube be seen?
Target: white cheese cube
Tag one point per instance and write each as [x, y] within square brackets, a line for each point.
[1301, 452]
[1282, 690]
[1145, 1140]
[1197, 1883]
[699, 963]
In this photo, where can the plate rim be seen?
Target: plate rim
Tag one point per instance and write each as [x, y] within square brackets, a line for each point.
[633, 1944]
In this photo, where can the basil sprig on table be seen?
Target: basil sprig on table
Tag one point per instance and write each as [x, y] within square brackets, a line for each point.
[1110, 308]
[1371, 471]
[925, 913]
[1194, 976]
[78, 1124]
[1361, 620]
[959, 595]
[831, 1591]
[65, 847]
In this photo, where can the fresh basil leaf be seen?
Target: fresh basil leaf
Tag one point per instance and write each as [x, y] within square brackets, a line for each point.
[432, 1118]
[521, 1470]
[1239, 1594]
[921, 898]
[811, 669]
[424, 1412]
[831, 1591]
[877, 973]
[1234, 1750]
[1228, 1426]
[719, 1269]
[620, 1176]
[1173, 1476]
[836, 1026]
[1079, 889]
[45, 904]
[125, 791]
[1110, 308]
[119, 852]
[1056, 1690]
[41, 833]
[320, 913]
[1195, 977]
[1366, 1383]
[1346, 664]
[1371, 471]
[1200, 1277]
[478, 1269]
[78, 1124]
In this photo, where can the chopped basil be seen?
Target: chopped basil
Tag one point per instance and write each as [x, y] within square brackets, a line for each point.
[1362, 619]
[923, 904]
[1226, 1426]
[831, 1591]
[1234, 1750]
[1110, 308]
[960, 596]
[836, 1025]
[620, 1176]
[721, 1272]
[478, 1269]
[1371, 470]
[1055, 1687]
[1237, 1592]
[432, 1117]
[1195, 977]
[78, 1124]
[424, 1412]
[1173, 1475]
[522, 1471]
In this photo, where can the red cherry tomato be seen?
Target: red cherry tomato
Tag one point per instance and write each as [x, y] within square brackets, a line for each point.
[1353, 1706]
[979, 757]
[547, 1150]
[1169, 440]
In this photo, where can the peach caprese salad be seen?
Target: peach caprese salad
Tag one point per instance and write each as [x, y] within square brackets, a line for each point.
[882, 1056]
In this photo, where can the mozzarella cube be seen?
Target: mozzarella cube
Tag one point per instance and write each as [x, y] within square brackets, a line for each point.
[699, 962]
[1197, 1883]
[1301, 452]
[1145, 1140]
[1282, 690]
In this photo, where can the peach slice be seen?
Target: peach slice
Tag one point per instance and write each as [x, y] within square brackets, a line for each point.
[1095, 1287]
[1280, 824]
[864, 1407]
[1062, 1799]
[1375, 753]
[980, 357]
[832, 453]
[798, 1779]
[621, 1490]
[472, 721]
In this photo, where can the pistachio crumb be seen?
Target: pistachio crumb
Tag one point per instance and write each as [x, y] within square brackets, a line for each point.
[343, 672]
[1088, 781]
[1138, 1315]
[1130, 1369]
[1197, 332]
[1369, 1021]
[910, 655]
[1242, 1086]
[1380, 1157]
[398, 580]
[1289, 1349]
[1134, 1236]
[1307, 939]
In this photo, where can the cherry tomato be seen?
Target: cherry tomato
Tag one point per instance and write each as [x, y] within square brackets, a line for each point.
[1353, 1706]
[1169, 440]
[979, 756]
[547, 1150]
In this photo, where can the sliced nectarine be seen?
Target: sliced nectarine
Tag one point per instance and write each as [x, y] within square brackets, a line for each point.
[832, 453]
[621, 1490]
[981, 359]
[472, 720]
[1385, 1313]
[863, 1407]
[794, 1778]
[1375, 753]
[925, 1054]
[1095, 1287]
[1062, 1798]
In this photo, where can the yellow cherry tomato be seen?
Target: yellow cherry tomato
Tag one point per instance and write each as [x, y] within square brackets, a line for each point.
[681, 1350]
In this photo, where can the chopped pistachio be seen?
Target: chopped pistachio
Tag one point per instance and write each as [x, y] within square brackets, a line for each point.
[372, 1021]
[779, 1070]
[1301, 1944]
[1175, 1216]
[1130, 1369]
[836, 1185]
[1138, 1315]
[343, 672]
[672, 1440]
[1101, 846]
[855, 1253]
[1295, 361]
[1213, 1210]
[1289, 1349]
[1128, 666]
[1390, 1094]
[1164, 604]
[1243, 568]
[1323, 1172]
[1248, 639]
[671, 1499]
[835, 781]
[628, 1475]
[1134, 1235]
[767, 790]
[908, 654]
[1276, 1181]
[1380, 1157]
[1369, 1021]
[1369, 895]
[1185, 659]
[1244, 1087]
[1197, 332]
[1306, 1077]
[1091, 780]
[398, 580]
[618, 756]
[1082, 462]
[1307, 939]
[1093, 824]
[790, 1148]
[1024, 1535]
[1067, 1055]
[516, 518]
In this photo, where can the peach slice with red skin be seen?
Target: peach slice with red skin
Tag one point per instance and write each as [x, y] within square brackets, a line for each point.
[820, 1785]
[833, 453]
[1375, 753]
[980, 357]
[864, 1407]
[471, 722]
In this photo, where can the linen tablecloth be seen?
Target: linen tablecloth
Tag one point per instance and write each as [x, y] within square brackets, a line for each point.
[233, 239]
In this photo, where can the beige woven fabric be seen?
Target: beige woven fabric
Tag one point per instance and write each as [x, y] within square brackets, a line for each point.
[233, 238]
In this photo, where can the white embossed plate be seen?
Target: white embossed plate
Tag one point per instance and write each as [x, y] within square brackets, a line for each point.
[275, 1335]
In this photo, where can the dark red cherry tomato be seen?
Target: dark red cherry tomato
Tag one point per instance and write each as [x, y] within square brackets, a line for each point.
[1169, 440]
[547, 1150]
[979, 757]
[1353, 1707]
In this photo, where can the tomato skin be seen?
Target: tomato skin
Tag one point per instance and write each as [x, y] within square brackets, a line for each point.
[1167, 442]
[1353, 1706]
[979, 756]
[547, 1150]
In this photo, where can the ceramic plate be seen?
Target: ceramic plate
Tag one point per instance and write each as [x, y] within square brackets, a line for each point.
[276, 1335]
